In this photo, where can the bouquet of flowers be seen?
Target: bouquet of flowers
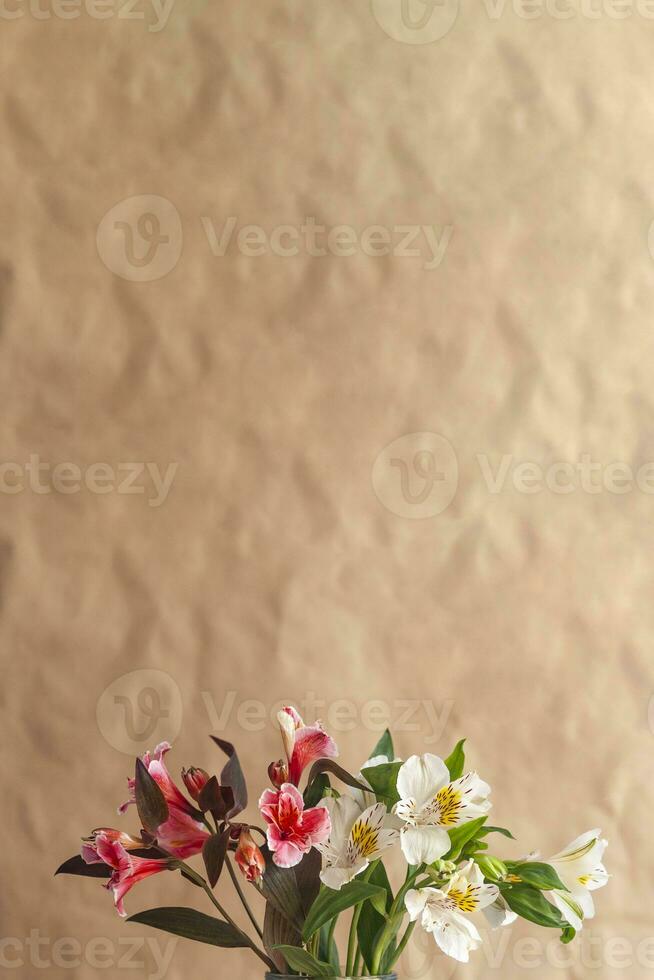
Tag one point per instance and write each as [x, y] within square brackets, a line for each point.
[320, 855]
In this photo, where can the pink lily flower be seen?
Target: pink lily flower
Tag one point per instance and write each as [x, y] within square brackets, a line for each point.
[128, 870]
[304, 744]
[90, 846]
[157, 768]
[182, 835]
[292, 831]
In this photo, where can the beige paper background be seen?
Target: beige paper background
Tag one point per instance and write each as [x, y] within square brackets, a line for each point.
[272, 570]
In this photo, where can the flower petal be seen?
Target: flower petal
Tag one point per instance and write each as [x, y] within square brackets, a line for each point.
[424, 844]
[336, 877]
[456, 936]
[499, 914]
[287, 854]
[415, 901]
[420, 777]
[317, 824]
[311, 744]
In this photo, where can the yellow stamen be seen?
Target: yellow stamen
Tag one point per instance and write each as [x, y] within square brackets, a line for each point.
[448, 803]
[364, 838]
[466, 901]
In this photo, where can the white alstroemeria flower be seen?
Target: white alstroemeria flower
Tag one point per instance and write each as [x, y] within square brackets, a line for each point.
[357, 838]
[580, 868]
[430, 804]
[445, 912]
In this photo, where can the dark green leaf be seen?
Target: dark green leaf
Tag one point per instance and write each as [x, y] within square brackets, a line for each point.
[279, 886]
[278, 931]
[369, 929]
[307, 876]
[568, 935]
[538, 875]
[456, 761]
[383, 780]
[328, 765]
[531, 904]
[150, 802]
[232, 776]
[371, 922]
[304, 962]
[330, 903]
[192, 925]
[384, 747]
[213, 854]
[78, 866]
[459, 837]
[316, 791]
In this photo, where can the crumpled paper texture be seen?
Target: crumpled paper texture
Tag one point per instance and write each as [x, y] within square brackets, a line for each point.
[346, 423]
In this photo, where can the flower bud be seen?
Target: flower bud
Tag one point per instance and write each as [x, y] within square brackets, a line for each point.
[195, 780]
[249, 858]
[492, 867]
[278, 773]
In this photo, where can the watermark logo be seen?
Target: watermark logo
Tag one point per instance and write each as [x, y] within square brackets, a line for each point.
[154, 14]
[140, 709]
[140, 239]
[43, 478]
[417, 475]
[429, 243]
[150, 956]
[416, 21]
[418, 716]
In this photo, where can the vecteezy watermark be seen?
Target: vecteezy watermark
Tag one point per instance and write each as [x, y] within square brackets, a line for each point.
[419, 716]
[416, 21]
[140, 239]
[42, 477]
[563, 477]
[151, 956]
[416, 476]
[154, 14]
[570, 9]
[140, 709]
[428, 242]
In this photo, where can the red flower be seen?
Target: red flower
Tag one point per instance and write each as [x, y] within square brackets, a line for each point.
[195, 780]
[304, 744]
[90, 844]
[157, 769]
[127, 871]
[292, 830]
[183, 834]
[249, 858]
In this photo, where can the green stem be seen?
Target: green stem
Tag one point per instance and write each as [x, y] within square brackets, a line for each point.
[403, 944]
[246, 906]
[352, 941]
[395, 917]
[204, 885]
[330, 934]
